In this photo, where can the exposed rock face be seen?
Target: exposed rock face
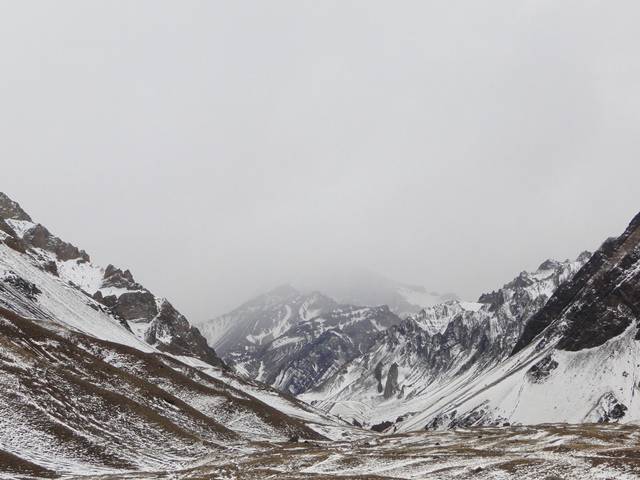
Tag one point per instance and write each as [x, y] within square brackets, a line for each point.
[391, 387]
[6, 228]
[377, 373]
[24, 287]
[136, 305]
[292, 340]
[114, 289]
[314, 350]
[171, 332]
[576, 359]
[114, 277]
[441, 345]
[9, 237]
[609, 409]
[263, 319]
[40, 237]
[382, 426]
[11, 209]
[600, 302]
[539, 372]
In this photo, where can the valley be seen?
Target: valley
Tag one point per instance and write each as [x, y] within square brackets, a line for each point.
[102, 379]
[549, 452]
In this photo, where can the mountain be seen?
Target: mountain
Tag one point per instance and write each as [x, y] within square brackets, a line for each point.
[291, 340]
[151, 318]
[440, 348]
[577, 359]
[262, 319]
[90, 386]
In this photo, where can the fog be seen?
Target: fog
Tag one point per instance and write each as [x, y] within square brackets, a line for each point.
[220, 148]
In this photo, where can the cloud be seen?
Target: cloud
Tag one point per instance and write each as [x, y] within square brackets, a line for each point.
[220, 148]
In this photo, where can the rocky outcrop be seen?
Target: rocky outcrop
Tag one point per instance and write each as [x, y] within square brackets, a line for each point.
[171, 332]
[116, 292]
[10, 238]
[440, 345]
[391, 387]
[609, 409]
[131, 306]
[117, 278]
[599, 303]
[539, 372]
[6, 228]
[11, 209]
[377, 373]
[40, 237]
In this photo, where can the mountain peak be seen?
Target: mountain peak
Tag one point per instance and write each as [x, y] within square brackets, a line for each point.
[549, 264]
[10, 209]
[584, 256]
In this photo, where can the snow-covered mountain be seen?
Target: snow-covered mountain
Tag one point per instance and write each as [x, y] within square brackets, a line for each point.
[94, 379]
[442, 347]
[577, 360]
[292, 340]
[263, 319]
[153, 319]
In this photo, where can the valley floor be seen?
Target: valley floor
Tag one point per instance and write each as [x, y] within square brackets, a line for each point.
[546, 452]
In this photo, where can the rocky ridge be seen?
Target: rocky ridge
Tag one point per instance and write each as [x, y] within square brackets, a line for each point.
[152, 318]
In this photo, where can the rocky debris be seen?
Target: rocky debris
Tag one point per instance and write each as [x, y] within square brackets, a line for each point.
[539, 372]
[11, 209]
[170, 332]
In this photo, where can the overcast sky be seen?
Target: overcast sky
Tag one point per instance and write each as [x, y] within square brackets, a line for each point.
[220, 148]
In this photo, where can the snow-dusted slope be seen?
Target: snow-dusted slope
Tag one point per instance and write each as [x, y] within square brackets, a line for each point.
[293, 341]
[47, 260]
[74, 403]
[577, 360]
[263, 319]
[442, 347]
[81, 393]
